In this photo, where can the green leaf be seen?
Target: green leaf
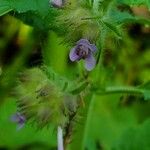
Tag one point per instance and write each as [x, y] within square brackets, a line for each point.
[25, 5]
[146, 90]
[36, 13]
[113, 28]
[28, 5]
[135, 2]
[121, 18]
[134, 138]
[4, 7]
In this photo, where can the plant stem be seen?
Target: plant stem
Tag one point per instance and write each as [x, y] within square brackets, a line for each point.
[60, 138]
[87, 124]
[113, 90]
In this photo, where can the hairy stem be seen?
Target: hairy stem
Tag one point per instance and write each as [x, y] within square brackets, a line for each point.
[113, 90]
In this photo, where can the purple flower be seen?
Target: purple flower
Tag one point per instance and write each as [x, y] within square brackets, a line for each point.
[56, 3]
[19, 119]
[84, 50]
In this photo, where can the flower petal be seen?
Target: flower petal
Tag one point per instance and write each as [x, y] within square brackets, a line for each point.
[56, 3]
[90, 62]
[83, 41]
[87, 44]
[93, 48]
[19, 119]
[73, 56]
[20, 126]
[14, 118]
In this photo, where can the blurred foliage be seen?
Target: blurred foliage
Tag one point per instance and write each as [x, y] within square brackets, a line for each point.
[115, 107]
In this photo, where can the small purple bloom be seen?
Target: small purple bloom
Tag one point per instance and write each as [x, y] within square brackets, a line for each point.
[56, 3]
[19, 119]
[84, 50]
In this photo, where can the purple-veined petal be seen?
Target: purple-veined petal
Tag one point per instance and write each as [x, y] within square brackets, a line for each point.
[83, 42]
[90, 62]
[72, 55]
[87, 44]
[93, 48]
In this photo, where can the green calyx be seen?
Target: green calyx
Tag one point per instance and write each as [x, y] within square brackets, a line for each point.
[40, 100]
[73, 19]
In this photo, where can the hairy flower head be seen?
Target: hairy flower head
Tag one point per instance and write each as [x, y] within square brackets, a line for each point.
[40, 100]
[73, 22]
